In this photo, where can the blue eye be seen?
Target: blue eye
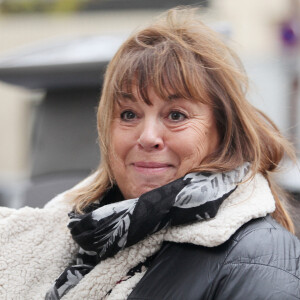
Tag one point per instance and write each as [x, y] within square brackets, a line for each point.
[128, 115]
[176, 116]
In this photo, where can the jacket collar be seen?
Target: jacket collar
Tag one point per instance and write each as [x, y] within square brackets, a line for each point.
[252, 199]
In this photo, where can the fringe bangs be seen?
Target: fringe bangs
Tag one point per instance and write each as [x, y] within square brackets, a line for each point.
[168, 68]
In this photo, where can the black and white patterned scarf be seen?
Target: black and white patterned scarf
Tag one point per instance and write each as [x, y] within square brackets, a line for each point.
[110, 225]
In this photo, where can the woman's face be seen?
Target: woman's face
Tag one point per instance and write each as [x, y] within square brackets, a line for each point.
[153, 145]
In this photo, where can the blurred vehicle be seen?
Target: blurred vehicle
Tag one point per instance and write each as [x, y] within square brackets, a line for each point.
[64, 146]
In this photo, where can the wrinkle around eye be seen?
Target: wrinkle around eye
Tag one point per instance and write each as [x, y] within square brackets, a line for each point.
[118, 122]
[177, 126]
[201, 127]
[198, 124]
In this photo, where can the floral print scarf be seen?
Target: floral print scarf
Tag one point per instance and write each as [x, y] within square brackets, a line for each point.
[111, 224]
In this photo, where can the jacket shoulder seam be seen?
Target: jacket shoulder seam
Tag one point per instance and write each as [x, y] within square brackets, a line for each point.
[255, 229]
[266, 219]
[263, 265]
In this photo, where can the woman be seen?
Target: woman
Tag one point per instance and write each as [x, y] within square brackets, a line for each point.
[183, 205]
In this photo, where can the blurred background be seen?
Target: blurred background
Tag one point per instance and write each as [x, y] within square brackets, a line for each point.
[52, 57]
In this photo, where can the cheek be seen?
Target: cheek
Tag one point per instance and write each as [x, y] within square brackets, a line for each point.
[194, 143]
[118, 148]
[121, 141]
[206, 138]
[117, 155]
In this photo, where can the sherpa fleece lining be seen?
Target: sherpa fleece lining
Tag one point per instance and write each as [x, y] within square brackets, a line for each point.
[36, 246]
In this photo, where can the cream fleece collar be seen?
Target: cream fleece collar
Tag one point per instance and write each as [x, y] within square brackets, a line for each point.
[252, 199]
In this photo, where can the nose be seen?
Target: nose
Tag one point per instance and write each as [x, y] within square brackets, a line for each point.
[151, 135]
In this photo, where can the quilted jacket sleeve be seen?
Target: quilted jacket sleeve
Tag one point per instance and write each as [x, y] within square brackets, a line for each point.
[264, 264]
[256, 281]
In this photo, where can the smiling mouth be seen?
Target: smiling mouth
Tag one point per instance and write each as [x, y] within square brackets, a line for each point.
[151, 167]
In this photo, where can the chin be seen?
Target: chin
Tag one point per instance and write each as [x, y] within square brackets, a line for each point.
[143, 186]
[150, 188]
[139, 192]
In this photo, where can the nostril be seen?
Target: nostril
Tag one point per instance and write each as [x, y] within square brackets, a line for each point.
[156, 146]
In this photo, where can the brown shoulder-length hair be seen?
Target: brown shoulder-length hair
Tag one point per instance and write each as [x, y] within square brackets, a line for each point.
[178, 54]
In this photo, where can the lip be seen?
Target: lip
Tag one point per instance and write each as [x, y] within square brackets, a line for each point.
[151, 167]
[150, 164]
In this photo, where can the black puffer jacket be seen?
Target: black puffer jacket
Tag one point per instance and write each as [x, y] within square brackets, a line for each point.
[260, 261]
